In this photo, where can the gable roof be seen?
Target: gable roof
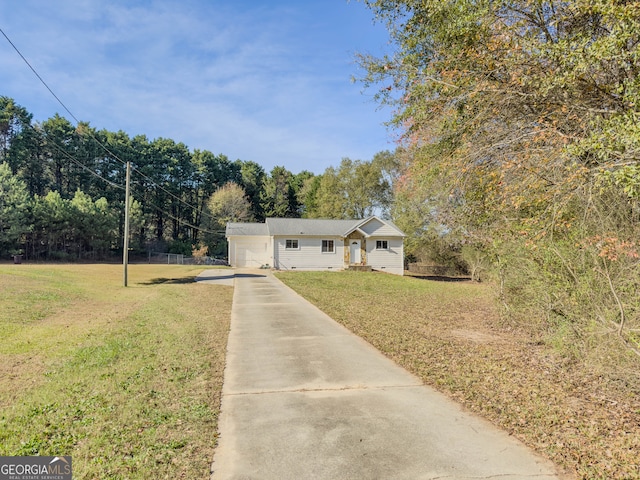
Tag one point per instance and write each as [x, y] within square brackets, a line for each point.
[375, 226]
[308, 226]
[255, 229]
[314, 227]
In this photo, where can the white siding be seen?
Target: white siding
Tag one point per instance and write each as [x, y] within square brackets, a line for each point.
[249, 251]
[391, 260]
[309, 254]
[375, 227]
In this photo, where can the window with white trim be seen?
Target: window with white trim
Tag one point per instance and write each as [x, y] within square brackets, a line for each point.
[291, 244]
[382, 245]
[328, 246]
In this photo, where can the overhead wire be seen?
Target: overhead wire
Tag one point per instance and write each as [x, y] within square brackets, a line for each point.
[37, 75]
[183, 222]
[104, 147]
[121, 187]
[77, 162]
[61, 151]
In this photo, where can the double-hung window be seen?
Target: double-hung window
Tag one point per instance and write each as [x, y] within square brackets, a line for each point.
[328, 246]
[291, 244]
[382, 245]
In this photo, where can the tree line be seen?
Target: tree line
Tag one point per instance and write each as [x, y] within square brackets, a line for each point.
[62, 191]
[522, 153]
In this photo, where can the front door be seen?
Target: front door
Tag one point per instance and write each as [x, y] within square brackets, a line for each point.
[354, 250]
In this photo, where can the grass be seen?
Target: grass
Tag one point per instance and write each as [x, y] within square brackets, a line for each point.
[451, 336]
[126, 380]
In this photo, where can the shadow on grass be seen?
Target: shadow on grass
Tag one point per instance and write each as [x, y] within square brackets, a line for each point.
[203, 278]
[174, 281]
[193, 279]
[231, 276]
[441, 278]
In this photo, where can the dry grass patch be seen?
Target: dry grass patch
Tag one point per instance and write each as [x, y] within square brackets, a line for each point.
[449, 333]
[126, 380]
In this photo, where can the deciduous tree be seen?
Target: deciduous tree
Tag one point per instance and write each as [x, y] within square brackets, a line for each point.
[356, 189]
[227, 204]
[521, 121]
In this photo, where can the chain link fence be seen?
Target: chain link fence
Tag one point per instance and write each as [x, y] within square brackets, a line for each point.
[180, 259]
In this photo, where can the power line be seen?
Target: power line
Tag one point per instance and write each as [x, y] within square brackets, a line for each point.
[66, 154]
[113, 155]
[74, 160]
[113, 184]
[171, 194]
[37, 75]
[121, 187]
[183, 222]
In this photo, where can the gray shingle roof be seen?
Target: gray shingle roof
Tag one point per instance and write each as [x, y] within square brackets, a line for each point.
[246, 229]
[309, 226]
[301, 227]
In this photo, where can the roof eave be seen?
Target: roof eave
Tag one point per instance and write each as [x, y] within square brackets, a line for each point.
[368, 219]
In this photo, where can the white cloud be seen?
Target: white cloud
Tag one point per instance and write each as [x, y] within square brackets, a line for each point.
[267, 82]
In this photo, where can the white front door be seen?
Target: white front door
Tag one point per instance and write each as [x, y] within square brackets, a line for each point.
[354, 250]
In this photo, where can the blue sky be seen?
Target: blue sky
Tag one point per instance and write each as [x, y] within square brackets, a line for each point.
[262, 80]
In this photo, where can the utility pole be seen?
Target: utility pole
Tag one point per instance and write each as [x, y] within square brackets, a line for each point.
[125, 250]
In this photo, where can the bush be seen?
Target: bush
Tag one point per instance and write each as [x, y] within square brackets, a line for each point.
[180, 247]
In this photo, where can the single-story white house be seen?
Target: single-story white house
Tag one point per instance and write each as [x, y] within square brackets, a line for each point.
[317, 244]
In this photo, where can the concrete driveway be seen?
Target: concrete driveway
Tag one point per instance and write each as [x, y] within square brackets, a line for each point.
[218, 276]
[304, 398]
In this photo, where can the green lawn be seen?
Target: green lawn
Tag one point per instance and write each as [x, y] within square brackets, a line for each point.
[126, 380]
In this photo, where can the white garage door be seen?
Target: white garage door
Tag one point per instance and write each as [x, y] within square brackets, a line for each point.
[251, 255]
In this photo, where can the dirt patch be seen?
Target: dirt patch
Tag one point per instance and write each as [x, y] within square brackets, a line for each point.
[19, 373]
